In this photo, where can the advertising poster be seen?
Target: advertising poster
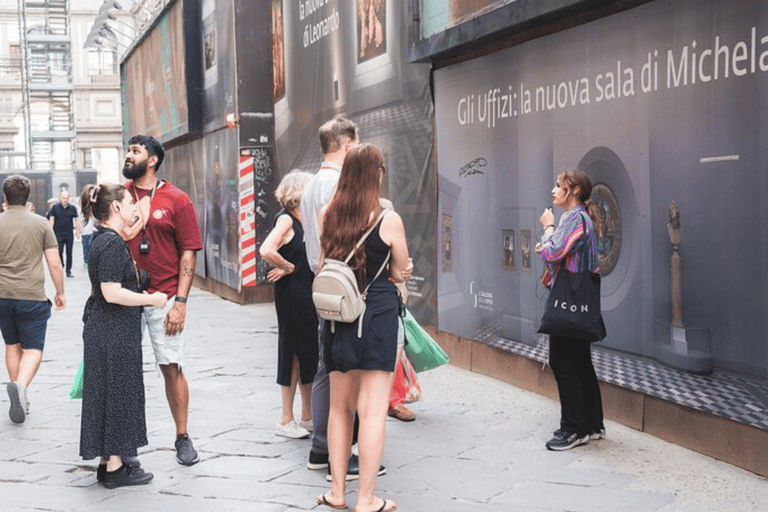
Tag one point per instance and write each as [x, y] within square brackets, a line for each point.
[439, 15]
[664, 102]
[222, 208]
[183, 166]
[349, 58]
[278, 51]
[255, 49]
[154, 81]
[219, 79]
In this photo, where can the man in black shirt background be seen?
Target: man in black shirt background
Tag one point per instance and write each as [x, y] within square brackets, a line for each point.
[61, 215]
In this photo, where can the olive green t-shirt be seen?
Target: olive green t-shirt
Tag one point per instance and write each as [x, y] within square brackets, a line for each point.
[23, 238]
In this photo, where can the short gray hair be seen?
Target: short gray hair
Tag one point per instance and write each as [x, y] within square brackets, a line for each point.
[291, 187]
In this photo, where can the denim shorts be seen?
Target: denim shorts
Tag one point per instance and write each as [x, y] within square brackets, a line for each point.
[167, 349]
[25, 322]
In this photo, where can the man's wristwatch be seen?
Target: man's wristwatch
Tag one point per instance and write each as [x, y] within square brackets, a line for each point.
[183, 300]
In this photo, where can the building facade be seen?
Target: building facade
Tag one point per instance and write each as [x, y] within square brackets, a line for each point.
[60, 107]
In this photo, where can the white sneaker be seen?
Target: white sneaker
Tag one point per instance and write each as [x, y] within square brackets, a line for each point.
[19, 404]
[596, 436]
[291, 430]
[306, 425]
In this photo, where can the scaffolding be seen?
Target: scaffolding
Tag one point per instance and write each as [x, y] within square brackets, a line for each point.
[46, 84]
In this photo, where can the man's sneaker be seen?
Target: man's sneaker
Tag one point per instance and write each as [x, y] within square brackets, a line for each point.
[126, 475]
[291, 430]
[593, 436]
[317, 460]
[306, 425]
[597, 435]
[353, 469]
[185, 452]
[19, 403]
[566, 440]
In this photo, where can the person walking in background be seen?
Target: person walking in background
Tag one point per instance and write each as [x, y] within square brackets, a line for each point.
[164, 242]
[62, 215]
[296, 317]
[361, 368]
[87, 225]
[113, 420]
[581, 416]
[25, 238]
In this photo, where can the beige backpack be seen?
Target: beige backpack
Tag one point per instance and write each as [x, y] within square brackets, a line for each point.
[335, 292]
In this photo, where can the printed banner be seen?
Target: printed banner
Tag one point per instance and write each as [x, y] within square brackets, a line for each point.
[664, 102]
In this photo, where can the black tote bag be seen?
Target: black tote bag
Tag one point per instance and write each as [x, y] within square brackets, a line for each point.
[573, 306]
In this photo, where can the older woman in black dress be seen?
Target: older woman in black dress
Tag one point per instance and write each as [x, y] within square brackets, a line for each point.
[297, 349]
[113, 424]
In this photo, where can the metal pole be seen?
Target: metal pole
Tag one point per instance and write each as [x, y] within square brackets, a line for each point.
[26, 108]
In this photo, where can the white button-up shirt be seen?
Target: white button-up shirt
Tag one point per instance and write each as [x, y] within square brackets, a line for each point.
[317, 193]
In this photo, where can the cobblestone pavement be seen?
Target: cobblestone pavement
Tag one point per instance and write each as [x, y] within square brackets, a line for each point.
[477, 444]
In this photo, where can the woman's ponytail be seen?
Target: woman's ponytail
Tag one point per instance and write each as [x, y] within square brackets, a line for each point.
[594, 213]
[578, 178]
[96, 199]
[85, 202]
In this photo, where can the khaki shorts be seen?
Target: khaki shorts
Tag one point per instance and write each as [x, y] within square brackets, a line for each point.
[167, 349]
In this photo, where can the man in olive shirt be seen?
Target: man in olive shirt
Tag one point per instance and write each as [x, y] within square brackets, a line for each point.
[24, 309]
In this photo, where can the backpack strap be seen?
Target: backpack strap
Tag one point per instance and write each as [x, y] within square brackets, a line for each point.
[384, 211]
[386, 260]
[365, 235]
[381, 268]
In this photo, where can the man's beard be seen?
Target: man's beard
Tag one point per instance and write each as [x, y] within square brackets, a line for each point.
[135, 171]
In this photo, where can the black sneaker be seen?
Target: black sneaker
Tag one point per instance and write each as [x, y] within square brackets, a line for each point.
[185, 452]
[126, 475]
[132, 462]
[566, 440]
[317, 460]
[353, 469]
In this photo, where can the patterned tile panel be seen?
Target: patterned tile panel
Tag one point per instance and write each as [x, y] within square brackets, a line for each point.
[724, 395]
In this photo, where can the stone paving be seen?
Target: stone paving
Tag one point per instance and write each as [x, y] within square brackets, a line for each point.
[477, 444]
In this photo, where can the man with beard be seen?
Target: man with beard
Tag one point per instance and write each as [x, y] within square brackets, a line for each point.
[164, 241]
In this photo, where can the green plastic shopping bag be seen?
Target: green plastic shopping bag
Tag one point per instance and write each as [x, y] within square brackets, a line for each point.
[76, 392]
[423, 352]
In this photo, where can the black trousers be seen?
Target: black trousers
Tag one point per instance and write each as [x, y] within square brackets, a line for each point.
[66, 242]
[581, 406]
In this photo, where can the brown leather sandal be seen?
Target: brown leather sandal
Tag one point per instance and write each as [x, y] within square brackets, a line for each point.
[402, 413]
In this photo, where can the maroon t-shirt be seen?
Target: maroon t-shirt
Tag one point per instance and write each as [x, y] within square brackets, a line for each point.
[171, 228]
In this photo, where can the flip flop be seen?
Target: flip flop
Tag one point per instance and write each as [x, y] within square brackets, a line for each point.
[384, 504]
[322, 500]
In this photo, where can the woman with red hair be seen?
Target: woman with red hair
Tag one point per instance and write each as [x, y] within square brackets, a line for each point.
[361, 369]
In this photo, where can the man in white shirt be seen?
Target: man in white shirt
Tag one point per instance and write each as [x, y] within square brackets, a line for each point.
[337, 137]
